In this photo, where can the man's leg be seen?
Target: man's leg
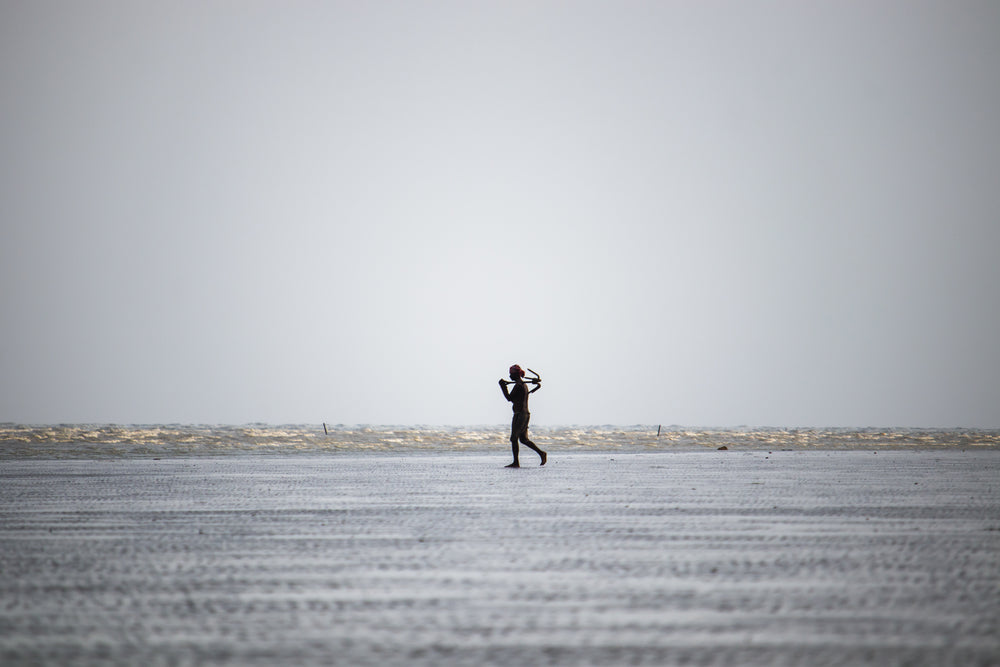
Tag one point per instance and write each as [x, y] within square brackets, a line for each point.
[513, 446]
[514, 427]
[530, 444]
[523, 436]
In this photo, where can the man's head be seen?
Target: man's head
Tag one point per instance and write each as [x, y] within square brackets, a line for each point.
[516, 372]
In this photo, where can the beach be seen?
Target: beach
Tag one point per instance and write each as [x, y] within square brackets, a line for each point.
[706, 557]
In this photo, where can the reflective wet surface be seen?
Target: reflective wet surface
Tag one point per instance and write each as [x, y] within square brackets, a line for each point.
[701, 558]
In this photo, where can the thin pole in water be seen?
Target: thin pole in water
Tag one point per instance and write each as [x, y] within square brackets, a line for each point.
[325, 432]
[658, 430]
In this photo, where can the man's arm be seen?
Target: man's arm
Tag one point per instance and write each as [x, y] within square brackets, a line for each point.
[538, 385]
[503, 386]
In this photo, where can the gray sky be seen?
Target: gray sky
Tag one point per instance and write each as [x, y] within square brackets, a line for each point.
[701, 213]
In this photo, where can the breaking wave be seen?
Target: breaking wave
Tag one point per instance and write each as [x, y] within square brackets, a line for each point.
[68, 441]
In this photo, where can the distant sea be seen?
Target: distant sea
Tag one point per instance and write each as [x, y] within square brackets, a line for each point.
[84, 441]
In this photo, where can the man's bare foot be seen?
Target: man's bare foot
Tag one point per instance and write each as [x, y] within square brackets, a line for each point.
[544, 458]
[513, 465]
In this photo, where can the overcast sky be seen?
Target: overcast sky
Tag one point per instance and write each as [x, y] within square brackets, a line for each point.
[698, 213]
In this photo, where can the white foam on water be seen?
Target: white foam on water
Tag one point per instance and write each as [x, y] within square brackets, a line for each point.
[118, 441]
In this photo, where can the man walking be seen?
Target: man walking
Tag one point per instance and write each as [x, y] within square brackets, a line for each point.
[518, 396]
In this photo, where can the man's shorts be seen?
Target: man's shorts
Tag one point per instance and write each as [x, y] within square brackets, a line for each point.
[519, 425]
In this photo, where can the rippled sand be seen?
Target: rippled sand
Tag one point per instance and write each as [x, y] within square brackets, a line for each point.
[703, 558]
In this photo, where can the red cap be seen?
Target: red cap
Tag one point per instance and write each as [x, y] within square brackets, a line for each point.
[517, 369]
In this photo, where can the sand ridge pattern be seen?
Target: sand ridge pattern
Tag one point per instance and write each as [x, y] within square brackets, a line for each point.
[707, 558]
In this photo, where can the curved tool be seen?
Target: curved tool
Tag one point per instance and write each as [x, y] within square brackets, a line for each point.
[533, 380]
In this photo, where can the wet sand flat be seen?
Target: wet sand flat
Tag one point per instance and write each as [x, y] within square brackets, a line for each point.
[696, 557]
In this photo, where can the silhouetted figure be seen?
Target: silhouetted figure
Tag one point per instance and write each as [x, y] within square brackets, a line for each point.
[518, 396]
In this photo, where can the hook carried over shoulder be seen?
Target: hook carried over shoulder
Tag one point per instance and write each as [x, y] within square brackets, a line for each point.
[537, 379]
